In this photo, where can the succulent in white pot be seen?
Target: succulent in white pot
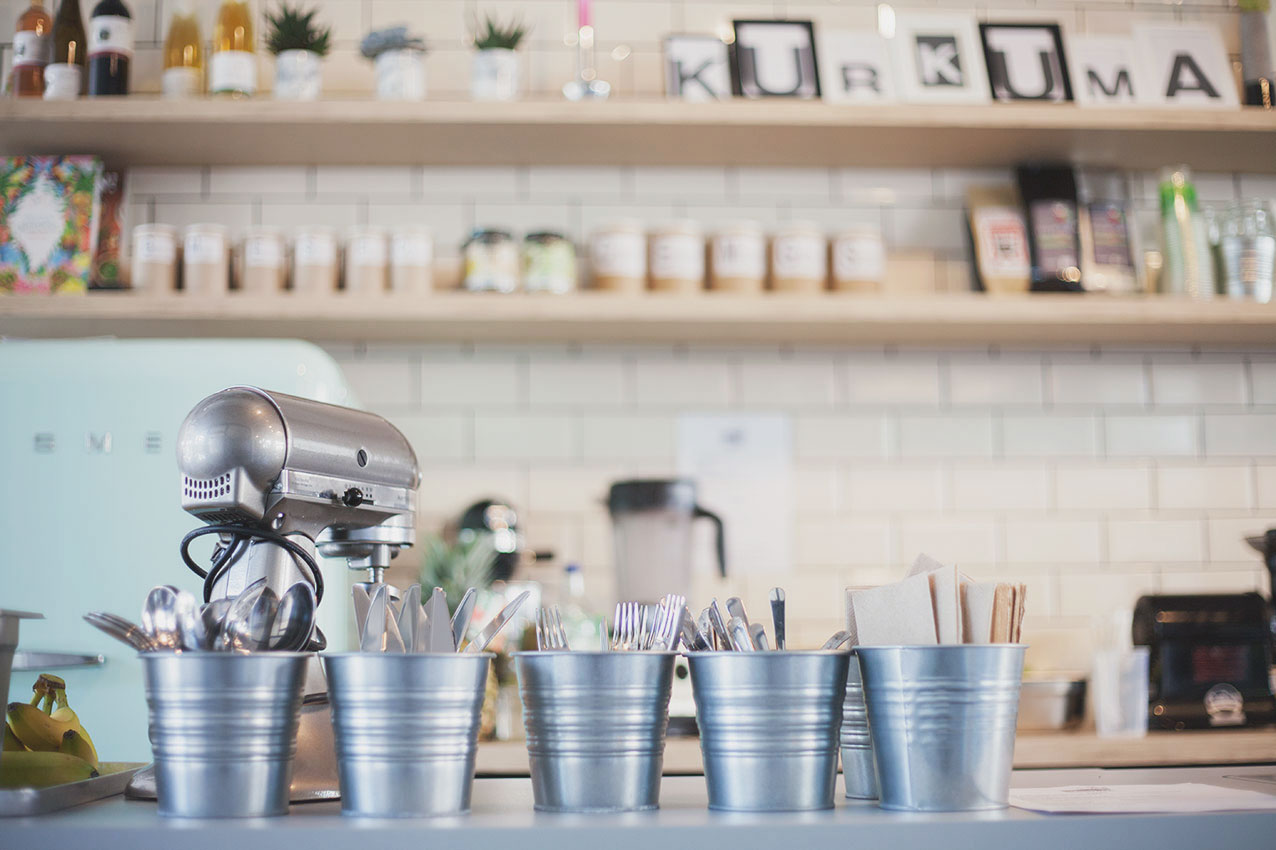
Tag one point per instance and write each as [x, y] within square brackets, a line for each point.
[299, 45]
[399, 60]
[496, 72]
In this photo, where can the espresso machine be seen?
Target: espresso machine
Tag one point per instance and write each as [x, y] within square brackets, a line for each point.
[275, 478]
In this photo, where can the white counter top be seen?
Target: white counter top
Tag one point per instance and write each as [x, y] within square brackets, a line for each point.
[503, 819]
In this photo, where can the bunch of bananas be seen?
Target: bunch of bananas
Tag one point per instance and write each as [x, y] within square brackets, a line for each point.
[44, 743]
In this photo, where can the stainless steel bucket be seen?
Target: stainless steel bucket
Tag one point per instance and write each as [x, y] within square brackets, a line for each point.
[406, 730]
[859, 769]
[223, 730]
[596, 726]
[943, 724]
[769, 725]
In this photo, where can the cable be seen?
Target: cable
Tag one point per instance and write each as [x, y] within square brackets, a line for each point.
[242, 536]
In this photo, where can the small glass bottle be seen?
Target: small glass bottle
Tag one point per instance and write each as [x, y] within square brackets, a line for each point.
[491, 261]
[1248, 243]
[183, 54]
[32, 47]
[549, 263]
[1187, 268]
[233, 66]
[110, 49]
[65, 77]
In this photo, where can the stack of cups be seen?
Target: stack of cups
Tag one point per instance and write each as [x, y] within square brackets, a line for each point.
[223, 730]
[943, 721]
[769, 725]
[406, 730]
[596, 726]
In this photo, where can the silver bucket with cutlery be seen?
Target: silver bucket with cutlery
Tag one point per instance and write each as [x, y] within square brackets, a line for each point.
[943, 723]
[859, 769]
[769, 725]
[596, 726]
[406, 730]
[223, 730]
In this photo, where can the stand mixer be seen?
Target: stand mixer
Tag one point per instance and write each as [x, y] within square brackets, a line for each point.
[275, 477]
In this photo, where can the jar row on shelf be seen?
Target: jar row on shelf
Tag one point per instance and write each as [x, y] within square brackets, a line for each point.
[202, 259]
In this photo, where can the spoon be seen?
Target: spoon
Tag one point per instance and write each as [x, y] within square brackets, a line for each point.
[122, 630]
[191, 631]
[294, 619]
[837, 640]
[237, 630]
[212, 614]
[159, 616]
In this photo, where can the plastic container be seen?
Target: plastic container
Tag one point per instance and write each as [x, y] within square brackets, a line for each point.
[491, 262]
[155, 252]
[549, 263]
[737, 258]
[859, 259]
[367, 262]
[799, 259]
[677, 260]
[411, 261]
[263, 261]
[1119, 685]
[314, 261]
[618, 257]
[205, 260]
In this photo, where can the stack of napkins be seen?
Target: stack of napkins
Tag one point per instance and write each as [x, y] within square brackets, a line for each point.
[935, 604]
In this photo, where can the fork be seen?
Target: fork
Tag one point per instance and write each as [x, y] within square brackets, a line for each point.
[550, 633]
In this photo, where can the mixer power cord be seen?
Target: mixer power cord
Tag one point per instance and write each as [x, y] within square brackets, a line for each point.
[240, 537]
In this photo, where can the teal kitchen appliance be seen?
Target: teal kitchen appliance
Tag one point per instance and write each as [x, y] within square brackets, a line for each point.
[91, 511]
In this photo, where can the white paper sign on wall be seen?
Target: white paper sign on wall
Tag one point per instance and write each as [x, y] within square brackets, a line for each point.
[938, 59]
[1105, 71]
[697, 68]
[1186, 65]
[855, 67]
[1026, 62]
[774, 59]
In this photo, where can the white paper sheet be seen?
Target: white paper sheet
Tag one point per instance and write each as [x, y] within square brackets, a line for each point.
[1140, 799]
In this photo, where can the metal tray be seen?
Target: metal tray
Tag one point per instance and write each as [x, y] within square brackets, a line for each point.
[28, 802]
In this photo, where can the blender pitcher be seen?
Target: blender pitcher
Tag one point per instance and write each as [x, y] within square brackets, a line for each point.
[652, 522]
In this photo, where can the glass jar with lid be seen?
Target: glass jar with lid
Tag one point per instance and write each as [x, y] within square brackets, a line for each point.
[314, 260]
[491, 261]
[859, 259]
[799, 258]
[618, 257]
[205, 260]
[411, 260]
[263, 261]
[1247, 241]
[367, 261]
[677, 257]
[737, 258]
[155, 251]
[549, 263]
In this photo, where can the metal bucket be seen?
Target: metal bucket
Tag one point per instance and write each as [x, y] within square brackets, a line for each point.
[769, 725]
[596, 726]
[223, 730]
[859, 769]
[406, 731]
[943, 723]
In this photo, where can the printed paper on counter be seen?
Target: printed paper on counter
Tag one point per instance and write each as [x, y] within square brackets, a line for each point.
[1140, 799]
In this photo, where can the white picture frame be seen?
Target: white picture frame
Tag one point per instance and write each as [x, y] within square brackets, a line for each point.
[697, 68]
[774, 59]
[1106, 71]
[855, 67]
[1186, 65]
[938, 58]
[1026, 63]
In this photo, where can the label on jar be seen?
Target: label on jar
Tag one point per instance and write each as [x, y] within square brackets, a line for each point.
[411, 251]
[799, 257]
[110, 34]
[677, 256]
[739, 255]
[619, 255]
[1001, 242]
[315, 251]
[181, 82]
[1054, 228]
[367, 252]
[154, 248]
[860, 257]
[62, 81]
[31, 48]
[233, 71]
[264, 253]
[203, 248]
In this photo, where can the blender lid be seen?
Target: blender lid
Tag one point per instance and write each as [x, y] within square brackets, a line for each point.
[652, 494]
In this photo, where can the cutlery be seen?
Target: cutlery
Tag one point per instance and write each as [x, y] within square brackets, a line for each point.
[407, 618]
[420, 630]
[490, 631]
[393, 638]
[741, 640]
[719, 625]
[362, 601]
[122, 630]
[295, 619]
[159, 616]
[550, 634]
[837, 640]
[603, 638]
[757, 635]
[234, 633]
[461, 619]
[213, 613]
[191, 632]
[372, 636]
[440, 628]
[777, 615]
[707, 630]
[735, 608]
[691, 636]
[669, 621]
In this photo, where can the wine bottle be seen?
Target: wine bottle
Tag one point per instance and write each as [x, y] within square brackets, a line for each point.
[233, 67]
[31, 43]
[183, 54]
[64, 78]
[110, 48]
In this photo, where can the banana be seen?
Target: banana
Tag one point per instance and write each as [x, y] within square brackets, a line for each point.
[64, 714]
[41, 770]
[11, 742]
[35, 729]
[75, 744]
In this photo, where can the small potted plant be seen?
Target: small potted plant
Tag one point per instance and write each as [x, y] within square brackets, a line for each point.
[399, 60]
[494, 73]
[299, 45]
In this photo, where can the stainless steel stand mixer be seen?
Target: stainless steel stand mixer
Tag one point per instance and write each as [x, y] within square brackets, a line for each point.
[275, 476]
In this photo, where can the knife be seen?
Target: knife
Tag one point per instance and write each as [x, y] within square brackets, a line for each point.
[719, 626]
[407, 616]
[490, 631]
[393, 638]
[361, 604]
[373, 633]
[440, 626]
[461, 619]
[777, 615]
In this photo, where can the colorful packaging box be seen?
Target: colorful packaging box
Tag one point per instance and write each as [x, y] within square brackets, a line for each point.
[49, 214]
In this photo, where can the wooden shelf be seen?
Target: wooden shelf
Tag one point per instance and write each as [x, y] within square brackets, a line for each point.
[141, 130]
[707, 318]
